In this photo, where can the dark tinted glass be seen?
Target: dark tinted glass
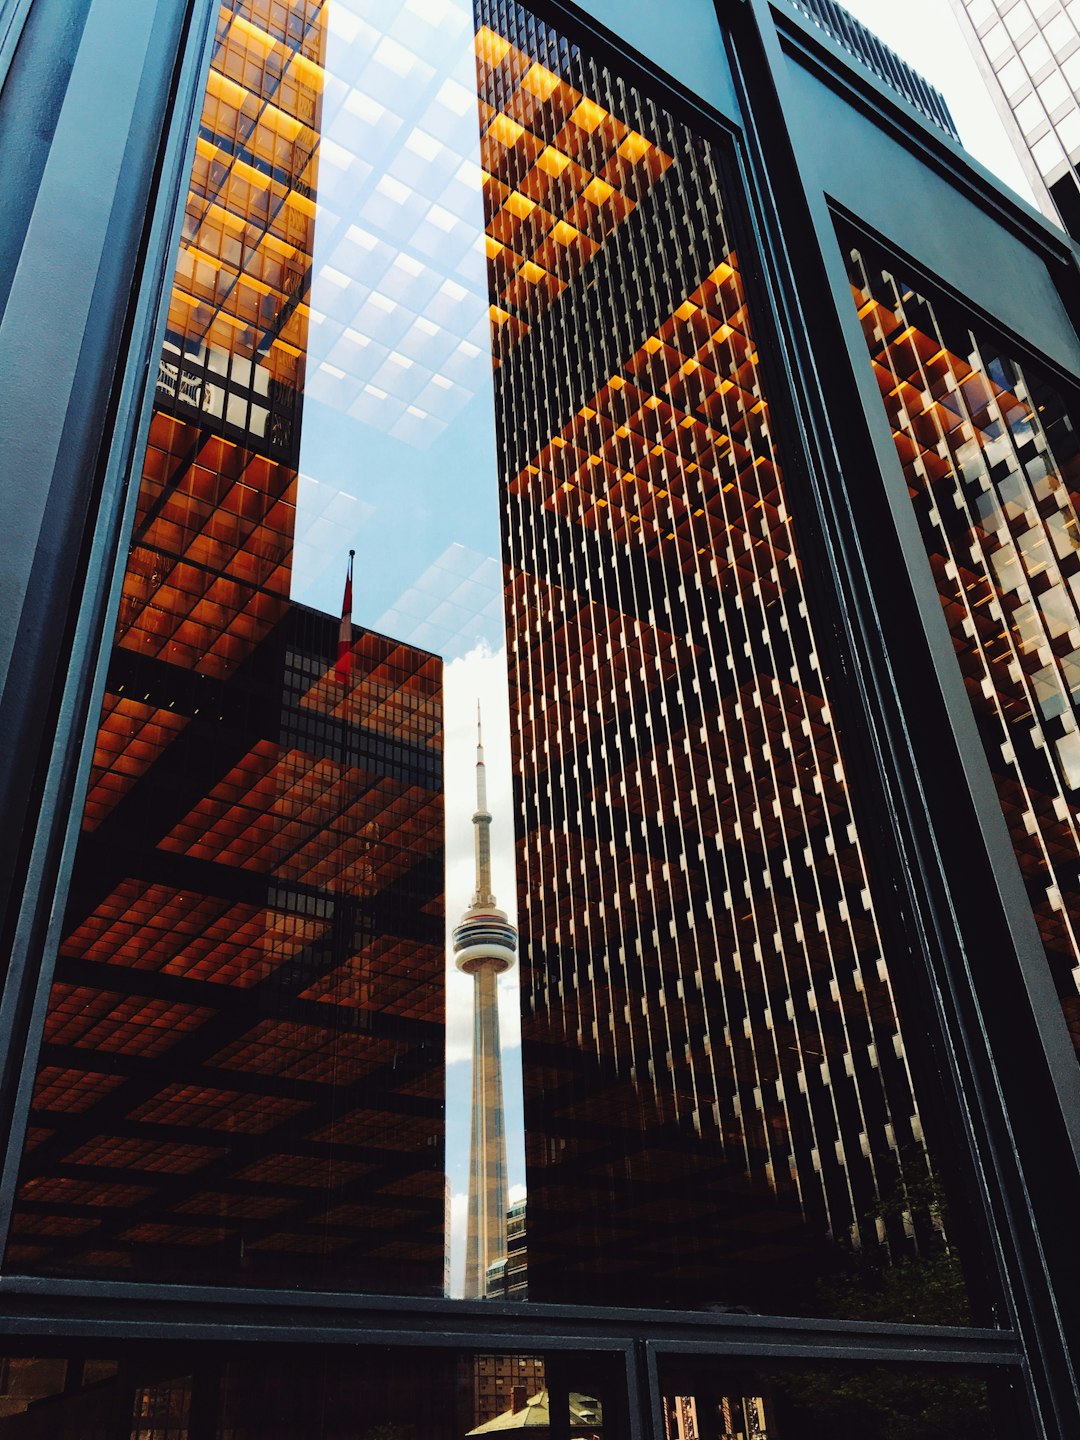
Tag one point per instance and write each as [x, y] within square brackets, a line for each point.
[721, 1401]
[347, 1393]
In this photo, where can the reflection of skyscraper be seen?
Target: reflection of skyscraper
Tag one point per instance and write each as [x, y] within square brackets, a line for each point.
[508, 1277]
[708, 1018]
[243, 1056]
[242, 1068]
[1029, 56]
[484, 944]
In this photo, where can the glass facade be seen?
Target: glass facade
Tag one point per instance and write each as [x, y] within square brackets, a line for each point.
[709, 1027]
[991, 457]
[481, 542]
[374, 1393]
[1032, 50]
[242, 1069]
[722, 1401]
[242, 1079]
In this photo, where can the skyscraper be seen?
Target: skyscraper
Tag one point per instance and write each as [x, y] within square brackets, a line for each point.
[484, 946]
[1029, 54]
[707, 996]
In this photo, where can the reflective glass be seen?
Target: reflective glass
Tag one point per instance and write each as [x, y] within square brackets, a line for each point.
[723, 1401]
[347, 1393]
[992, 461]
[457, 297]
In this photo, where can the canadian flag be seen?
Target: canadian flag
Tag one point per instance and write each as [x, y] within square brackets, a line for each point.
[343, 665]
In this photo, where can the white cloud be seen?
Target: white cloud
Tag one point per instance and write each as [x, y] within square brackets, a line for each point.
[459, 1215]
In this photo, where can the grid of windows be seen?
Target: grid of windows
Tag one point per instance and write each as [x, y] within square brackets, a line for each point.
[992, 462]
[1033, 49]
[709, 1025]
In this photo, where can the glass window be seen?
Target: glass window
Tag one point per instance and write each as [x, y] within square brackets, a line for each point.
[1018, 19]
[725, 1401]
[456, 297]
[344, 1393]
[1047, 153]
[1030, 114]
[1068, 131]
[1058, 32]
[1035, 54]
[997, 43]
[1053, 91]
[1012, 77]
[979, 11]
[992, 461]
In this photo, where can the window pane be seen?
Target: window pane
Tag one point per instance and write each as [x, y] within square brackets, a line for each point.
[722, 1401]
[454, 295]
[990, 453]
[343, 1393]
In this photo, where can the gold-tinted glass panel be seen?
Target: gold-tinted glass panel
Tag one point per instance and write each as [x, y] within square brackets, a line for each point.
[719, 1092]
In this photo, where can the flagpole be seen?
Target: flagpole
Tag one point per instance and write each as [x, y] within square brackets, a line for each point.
[343, 663]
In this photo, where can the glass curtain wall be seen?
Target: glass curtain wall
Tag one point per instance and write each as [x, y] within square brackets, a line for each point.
[454, 295]
[380, 1394]
[992, 461]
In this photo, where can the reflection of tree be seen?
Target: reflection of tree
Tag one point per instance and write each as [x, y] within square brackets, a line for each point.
[879, 1404]
[924, 1286]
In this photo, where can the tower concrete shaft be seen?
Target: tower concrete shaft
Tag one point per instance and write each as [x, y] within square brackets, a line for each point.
[484, 946]
[489, 1191]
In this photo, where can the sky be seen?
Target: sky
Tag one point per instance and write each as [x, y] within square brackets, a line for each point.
[927, 35]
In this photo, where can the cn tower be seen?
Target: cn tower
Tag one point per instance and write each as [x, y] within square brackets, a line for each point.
[484, 944]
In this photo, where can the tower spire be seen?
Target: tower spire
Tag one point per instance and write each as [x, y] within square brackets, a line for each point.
[483, 894]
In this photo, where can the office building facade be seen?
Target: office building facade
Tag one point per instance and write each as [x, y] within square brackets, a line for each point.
[668, 356]
[1029, 54]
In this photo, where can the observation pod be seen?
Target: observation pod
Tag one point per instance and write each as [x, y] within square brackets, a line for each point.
[484, 938]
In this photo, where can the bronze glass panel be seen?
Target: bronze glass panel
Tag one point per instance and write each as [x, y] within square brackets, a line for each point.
[719, 1099]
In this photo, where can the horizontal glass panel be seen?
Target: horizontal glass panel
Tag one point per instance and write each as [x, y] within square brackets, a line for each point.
[170, 1393]
[455, 296]
[992, 460]
[360, 1393]
[724, 1401]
